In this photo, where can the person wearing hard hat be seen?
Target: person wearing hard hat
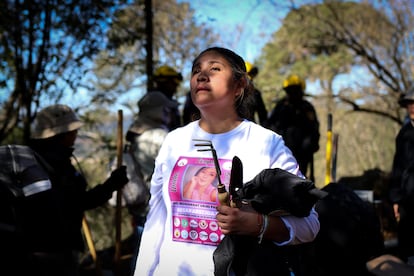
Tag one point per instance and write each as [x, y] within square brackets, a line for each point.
[401, 191]
[54, 238]
[166, 80]
[295, 119]
[144, 139]
[257, 109]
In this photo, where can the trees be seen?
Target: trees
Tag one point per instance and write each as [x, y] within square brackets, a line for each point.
[45, 46]
[326, 41]
[177, 39]
[357, 60]
[48, 50]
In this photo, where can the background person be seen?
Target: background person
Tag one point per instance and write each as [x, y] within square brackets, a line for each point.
[219, 89]
[258, 108]
[167, 80]
[145, 137]
[402, 182]
[57, 252]
[295, 119]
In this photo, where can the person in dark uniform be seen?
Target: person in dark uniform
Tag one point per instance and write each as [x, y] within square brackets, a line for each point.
[258, 108]
[402, 182]
[295, 119]
[48, 218]
[167, 80]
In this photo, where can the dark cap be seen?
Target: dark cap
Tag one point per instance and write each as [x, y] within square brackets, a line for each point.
[154, 99]
[407, 98]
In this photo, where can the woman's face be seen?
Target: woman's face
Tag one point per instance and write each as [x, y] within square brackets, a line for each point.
[206, 176]
[212, 83]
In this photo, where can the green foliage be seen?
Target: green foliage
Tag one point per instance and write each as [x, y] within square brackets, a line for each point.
[177, 38]
[326, 42]
[366, 141]
[44, 48]
[357, 60]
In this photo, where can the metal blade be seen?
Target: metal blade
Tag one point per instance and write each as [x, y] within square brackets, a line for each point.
[236, 179]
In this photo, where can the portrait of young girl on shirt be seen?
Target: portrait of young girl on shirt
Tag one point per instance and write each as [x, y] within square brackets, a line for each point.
[202, 185]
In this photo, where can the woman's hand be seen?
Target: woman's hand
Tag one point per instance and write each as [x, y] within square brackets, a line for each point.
[243, 221]
[246, 221]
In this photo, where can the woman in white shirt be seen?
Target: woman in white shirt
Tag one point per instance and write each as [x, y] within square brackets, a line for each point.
[181, 235]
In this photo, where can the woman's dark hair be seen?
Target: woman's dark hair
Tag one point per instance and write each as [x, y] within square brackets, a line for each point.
[238, 65]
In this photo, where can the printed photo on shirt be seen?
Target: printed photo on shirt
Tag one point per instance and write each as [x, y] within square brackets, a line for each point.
[193, 192]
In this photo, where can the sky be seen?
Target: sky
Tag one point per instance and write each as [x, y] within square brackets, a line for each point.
[245, 26]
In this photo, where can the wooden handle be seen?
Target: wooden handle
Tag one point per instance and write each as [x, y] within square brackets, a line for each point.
[91, 245]
[223, 195]
[118, 211]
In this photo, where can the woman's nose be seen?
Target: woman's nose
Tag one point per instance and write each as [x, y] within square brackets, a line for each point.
[202, 76]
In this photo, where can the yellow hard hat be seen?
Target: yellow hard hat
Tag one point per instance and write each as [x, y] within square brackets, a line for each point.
[251, 70]
[249, 66]
[294, 80]
[167, 72]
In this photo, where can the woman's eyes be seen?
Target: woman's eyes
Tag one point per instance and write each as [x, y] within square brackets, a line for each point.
[198, 70]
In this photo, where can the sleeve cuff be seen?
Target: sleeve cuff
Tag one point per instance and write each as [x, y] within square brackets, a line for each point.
[291, 233]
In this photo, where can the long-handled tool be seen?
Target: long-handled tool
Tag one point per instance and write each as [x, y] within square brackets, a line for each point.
[334, 155]
[118, 211]
[87, 231]
[88, 236]
[207, 145]
[328, 175]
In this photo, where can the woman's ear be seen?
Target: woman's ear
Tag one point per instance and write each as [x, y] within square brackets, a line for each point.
[242, 85]
[240, 92]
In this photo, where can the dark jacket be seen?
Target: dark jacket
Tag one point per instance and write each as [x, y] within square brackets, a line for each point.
[298, 124]
[257, 106]
[271, 190]
[72, 196]
[403, 159]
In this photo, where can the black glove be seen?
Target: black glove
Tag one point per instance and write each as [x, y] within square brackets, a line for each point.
[118, 178]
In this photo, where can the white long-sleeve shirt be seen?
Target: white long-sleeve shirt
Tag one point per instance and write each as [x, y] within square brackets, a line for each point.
[180, 234]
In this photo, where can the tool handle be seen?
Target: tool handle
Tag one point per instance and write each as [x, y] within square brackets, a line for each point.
[223, 195]
[118, 210]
